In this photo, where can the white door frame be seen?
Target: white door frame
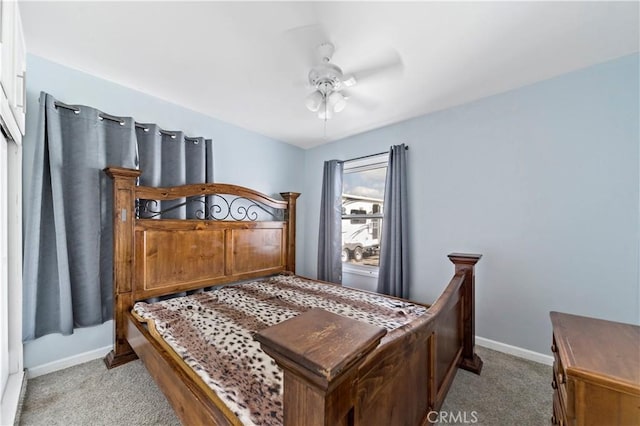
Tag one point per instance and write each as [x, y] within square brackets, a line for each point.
[11, 356]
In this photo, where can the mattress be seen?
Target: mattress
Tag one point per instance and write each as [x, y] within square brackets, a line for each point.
[212, 332]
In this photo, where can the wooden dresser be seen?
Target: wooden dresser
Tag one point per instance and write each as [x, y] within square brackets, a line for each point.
[596, 372]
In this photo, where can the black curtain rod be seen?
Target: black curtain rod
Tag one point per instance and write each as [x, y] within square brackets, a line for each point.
[104, 116]
[370, 155]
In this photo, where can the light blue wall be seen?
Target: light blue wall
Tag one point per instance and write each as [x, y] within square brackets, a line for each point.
[543, 181]
[241, 157]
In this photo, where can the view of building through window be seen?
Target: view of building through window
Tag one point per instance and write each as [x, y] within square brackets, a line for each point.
[362, 210]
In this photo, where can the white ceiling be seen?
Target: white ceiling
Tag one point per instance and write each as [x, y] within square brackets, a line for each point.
[242, 62]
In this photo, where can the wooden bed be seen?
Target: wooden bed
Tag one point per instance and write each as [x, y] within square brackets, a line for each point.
[336, 371]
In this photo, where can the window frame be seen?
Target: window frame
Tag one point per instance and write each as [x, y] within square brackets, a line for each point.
[373, 162]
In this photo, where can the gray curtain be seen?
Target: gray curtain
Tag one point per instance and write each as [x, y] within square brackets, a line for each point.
[394, 269]
[330, 235]
[68, 238]
[170, 159]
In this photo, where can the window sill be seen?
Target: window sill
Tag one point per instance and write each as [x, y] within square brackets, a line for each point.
[365, 271]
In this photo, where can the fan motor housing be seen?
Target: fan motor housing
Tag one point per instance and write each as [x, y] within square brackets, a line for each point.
[326, 74]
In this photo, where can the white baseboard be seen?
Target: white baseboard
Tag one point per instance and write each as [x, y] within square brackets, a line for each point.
[515, 351]
[63, 363]
[11, 398]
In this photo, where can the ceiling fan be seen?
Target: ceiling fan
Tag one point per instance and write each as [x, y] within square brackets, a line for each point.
[329, 81]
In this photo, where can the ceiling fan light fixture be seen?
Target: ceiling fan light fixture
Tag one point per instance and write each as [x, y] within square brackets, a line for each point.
[314, 101]
[325, 112]
[337, 101]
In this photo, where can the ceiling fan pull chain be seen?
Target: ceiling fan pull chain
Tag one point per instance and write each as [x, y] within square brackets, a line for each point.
[325, 120]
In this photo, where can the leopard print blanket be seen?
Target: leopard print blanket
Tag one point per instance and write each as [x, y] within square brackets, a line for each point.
[213, 333]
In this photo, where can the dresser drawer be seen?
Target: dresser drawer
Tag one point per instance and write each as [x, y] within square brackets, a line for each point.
[559, 381]
[596, 371]
[559, 416]
[560, 385]
[558, 367]
[560, 402]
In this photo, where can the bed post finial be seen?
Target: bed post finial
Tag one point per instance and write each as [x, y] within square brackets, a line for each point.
[465, 263]
[124, 182]
[290, 217]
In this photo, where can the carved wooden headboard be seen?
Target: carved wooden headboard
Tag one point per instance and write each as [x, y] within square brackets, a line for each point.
[227, 241]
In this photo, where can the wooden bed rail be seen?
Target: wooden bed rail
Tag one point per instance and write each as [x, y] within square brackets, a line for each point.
[332, 376]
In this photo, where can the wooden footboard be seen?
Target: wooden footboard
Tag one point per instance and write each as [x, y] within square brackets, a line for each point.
[398, 383]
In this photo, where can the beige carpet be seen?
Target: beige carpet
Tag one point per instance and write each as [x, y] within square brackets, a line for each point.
[510, 391]
[91, 395]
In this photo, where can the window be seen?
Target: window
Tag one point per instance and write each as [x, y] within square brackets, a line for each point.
[363, 198]
[355, 221]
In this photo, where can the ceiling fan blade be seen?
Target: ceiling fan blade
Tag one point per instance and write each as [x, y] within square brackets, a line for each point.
[305, 39]
[387, 65]
[349, 80]
[364, 103]
[360, 101]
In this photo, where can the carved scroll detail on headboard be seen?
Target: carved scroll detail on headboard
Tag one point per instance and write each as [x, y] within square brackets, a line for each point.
[214, 207]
